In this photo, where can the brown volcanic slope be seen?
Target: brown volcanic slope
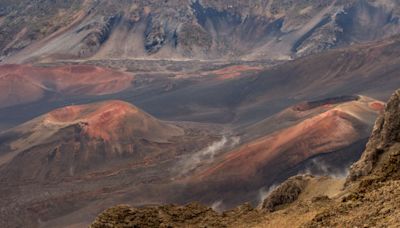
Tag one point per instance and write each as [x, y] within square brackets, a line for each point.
[370, 197]
[306, 110]
[20, 84]
[297, 134]
[332, 129]
[335, 127]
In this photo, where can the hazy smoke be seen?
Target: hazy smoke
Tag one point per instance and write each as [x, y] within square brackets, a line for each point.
[207, 154]
[218, 206]
[316, 167]
[263, 193]
[321, 168]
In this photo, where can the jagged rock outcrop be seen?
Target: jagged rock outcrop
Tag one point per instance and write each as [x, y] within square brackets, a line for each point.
[381, 159]
[191, 215]
[164, 216]
[286, 193]
[99, 33]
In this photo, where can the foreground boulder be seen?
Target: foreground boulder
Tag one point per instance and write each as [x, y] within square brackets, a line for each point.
[286, 193]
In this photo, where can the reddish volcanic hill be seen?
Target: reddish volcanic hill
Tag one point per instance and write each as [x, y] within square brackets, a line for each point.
[365, 108]
[338, 126]
[76, 139]
[332, 130]
[112, 121]
[20, 84]
[323, 133]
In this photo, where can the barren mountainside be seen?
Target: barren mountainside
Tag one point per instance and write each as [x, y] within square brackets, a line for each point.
[199, 113]
[188, 29]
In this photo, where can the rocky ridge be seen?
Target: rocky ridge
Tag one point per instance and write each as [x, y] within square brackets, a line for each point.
[381, 159]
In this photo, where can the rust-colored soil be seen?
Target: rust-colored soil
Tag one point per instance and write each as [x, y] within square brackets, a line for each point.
[322, 133]
[378, 106]
[110, 120]
[21, 84]
[102, 121]
[332, 128]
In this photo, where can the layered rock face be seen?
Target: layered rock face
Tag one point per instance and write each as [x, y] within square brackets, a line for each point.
[196, 29]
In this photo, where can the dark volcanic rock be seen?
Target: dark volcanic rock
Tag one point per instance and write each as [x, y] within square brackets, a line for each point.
[286, 193]
[155, 37]
[99, 34]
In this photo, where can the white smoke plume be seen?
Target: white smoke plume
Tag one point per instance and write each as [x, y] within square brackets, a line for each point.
[208, 154]
[263, 193]
[319, 167]
[218, 206]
